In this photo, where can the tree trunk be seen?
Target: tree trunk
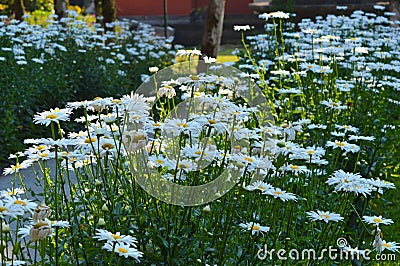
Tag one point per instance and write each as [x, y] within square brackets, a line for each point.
[109, 12]
[18, 9]
[213, 28]
[89, 6]
[60, 8]
[395, 7]
[97, 9]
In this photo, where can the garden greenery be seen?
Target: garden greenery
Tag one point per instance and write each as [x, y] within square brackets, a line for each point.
[323, 165]
[48, 64]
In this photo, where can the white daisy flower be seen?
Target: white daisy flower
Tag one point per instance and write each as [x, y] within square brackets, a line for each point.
[54, 115]
[123, 250]
[255, 228]
[280, 194]
[260, 185]
[17, 167]
[377, 220]
[391, 246]
[324, 216]
[102, 234]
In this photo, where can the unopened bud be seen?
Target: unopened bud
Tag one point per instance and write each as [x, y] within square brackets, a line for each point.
[104, 208]
[207, 208]
[6, 228]
[101, 222]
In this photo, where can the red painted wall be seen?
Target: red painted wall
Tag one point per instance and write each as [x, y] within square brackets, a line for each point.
[175, 7]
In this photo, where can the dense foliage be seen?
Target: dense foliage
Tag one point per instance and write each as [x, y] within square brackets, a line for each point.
[44, 66]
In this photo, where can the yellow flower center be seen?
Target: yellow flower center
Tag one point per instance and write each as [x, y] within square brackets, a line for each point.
[156, 124]
[248, 159]
[183, 125]
[97, 98]
[43, 154]
[326, 216]
[278, 193]
[16, 167]
[116, 236]
[40, 147]
[116, 101]
[386, 245]
[160, 161]
[89, 140]
[212, 121]
[40, 224]
[377, 220]
[339, 143]
[107, 146]
[138, 137]
[294, 167]
[183, 165]
[197, 152]
[23, 203]
[122, 250]
[310, 152]
[51, 116]
[254, 227]
[261, 188]
[194, 77]
[3, 209]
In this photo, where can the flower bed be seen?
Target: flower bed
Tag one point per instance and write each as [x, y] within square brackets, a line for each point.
[295, 153]
[44, 66]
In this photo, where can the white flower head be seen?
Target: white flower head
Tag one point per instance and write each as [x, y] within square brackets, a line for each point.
[324, 216]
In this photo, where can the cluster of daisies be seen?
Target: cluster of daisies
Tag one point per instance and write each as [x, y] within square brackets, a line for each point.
[323, 70]
[285, 164]
[123, 245]
[15, 211]
[52, 39]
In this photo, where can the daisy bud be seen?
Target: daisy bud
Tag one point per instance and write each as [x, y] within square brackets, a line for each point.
[101, 222]
[97, 183]
[218, 194]
[6, 228]
[377, 244]
[104, 208]
[207, 209]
